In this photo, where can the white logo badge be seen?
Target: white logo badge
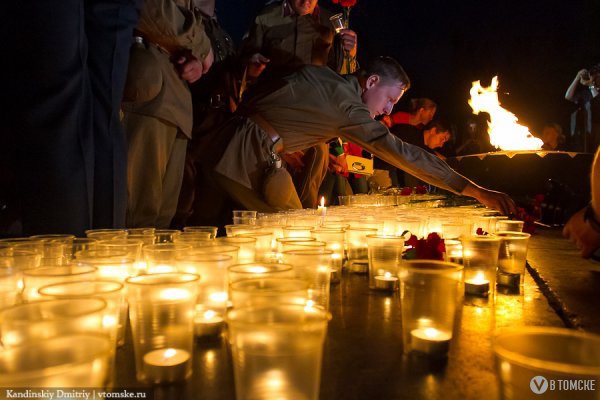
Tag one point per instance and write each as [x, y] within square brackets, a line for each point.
[538, 384]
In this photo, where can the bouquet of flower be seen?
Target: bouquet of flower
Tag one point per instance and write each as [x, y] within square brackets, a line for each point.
[432, 248]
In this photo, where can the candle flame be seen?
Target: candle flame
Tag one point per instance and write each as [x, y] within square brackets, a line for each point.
[505, 133]
[209, 314]
[322, 201]
[257, 269]
[169, 353]
[431, 332]
[479, 278]
[387, 275]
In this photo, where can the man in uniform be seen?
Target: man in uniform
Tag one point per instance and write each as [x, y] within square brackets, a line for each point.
[285, 35]
[311, 106]
[157, 105]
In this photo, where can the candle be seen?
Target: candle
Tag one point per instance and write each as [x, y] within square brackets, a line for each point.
[386, 282]
[430, 341]
[322, 210]
[208, 323]
[507, 279]
[478, 286]
[167, 365]
[336, 268]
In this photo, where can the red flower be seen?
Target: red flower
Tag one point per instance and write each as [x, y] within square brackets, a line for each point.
[345, 3]
[406, 191]
[420, 189]
[432, 248]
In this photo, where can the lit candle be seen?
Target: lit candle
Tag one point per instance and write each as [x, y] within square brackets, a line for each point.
[167, 365]
[478, 286]
[322, 210]
[430, 341]
[207, 323]
[386, 282]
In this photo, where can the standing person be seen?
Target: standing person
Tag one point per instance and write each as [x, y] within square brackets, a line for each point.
[214, 99]
[312, 106]
[62, 141]
[585, 121]
[288, 34]
[173, 50]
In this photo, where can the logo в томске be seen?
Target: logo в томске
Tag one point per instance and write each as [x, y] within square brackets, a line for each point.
[538, 384]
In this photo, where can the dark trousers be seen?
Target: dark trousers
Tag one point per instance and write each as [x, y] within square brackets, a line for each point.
[66, 68]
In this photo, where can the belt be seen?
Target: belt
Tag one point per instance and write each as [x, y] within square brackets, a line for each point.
[266, 126]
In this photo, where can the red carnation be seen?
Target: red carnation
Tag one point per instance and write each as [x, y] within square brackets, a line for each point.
[406, 191]
[420, 189]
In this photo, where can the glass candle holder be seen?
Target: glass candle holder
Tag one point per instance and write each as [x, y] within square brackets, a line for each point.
[51, 255]
[231, 251]
[263, 250]
[298, 231]
[11, 283]
[161, 311]
[509, 225]
[313, 266]
[358, 250]
[247, 246]
[141, 231]
[454, 251]
[115, 314]
[161, 257]
[268, 292]
[71, 361]
[242, 272]
[480, 259]
[131, 247]
[165, 235]
[212, 300]
[106, 234]
[83, 244]
[544, 361]
[46, 319]
[110, 264]
[211, 230]
[335, 241]
[385, 256]
[512, 258]
[407, 226]
[244, 217]
[277, 351]
[35, 278]
[430, 292]
[238, 229]
[455, 230]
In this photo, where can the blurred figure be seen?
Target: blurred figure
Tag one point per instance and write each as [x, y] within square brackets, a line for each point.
[583, 228]
[420, 113]
[553, 137]
[62, 140]
[477, 140]
[585, 120]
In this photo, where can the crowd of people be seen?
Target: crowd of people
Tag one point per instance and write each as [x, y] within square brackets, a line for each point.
[137, 113]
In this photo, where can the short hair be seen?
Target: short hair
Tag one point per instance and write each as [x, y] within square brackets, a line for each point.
[417, 104]
[595, 69]
[439, 127]
[388, 69]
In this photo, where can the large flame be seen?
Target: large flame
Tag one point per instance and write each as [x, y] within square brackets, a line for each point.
[503, 128]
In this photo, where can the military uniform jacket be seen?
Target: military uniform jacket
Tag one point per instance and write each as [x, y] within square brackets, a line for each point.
[309, 107]
[170, 28]
[290, 40]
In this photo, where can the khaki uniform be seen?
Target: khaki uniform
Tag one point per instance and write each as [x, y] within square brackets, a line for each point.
[158, 109]
[291, 40]
[310, 107]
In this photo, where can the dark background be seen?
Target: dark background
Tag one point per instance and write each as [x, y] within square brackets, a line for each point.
[535, 47]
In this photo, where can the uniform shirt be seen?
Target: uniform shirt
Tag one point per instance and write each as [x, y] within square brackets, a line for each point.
[312, 106]
[169, 27]
[288, 39]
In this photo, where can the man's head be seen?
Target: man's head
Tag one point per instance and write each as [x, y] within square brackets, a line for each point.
[423, 110]
[436, 135]
[383, 82]
[552, 137]
[303, 7]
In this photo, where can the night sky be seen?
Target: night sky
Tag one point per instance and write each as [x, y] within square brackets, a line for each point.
[535, 47]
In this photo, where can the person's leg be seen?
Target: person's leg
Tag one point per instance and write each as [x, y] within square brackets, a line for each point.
[172, 182]
[47, 114]
[327, 189]
[315, 160]
[150, 145]
[109, 28]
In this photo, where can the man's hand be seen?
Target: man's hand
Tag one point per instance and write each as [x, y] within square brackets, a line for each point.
[492, 199]
[190, 69]
[338, 164]
[257, 64]
[585, 77]
[349, 41]
[208, 61]
[582, 234]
